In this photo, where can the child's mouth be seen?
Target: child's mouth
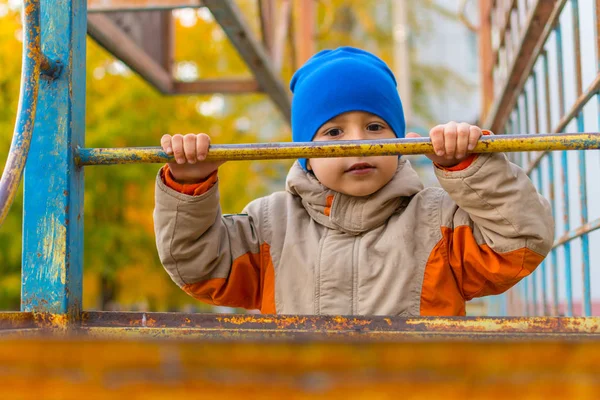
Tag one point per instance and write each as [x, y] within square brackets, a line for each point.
[360, 169]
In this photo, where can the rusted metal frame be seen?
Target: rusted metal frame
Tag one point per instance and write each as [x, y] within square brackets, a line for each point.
[52, 254]
[591, 91]
[267, 11]
[35, 63]
[585, 247]
[304, 30]
[527, 127]
[542, 268]
[105, 6]
[564, 173]
[328, 149]
[542, 17]
[585, 229]
[227, 14]
[216, 86]
[282, 28]
[536, 128]
[17, 320]
[552, 197]
[486, 63]
[357, 324]
[504, 28]
[597, 9]
[117, 42]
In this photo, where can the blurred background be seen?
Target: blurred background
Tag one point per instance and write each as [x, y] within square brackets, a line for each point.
[432, 50]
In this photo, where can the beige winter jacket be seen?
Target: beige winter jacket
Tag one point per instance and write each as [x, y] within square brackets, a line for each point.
[404, 250]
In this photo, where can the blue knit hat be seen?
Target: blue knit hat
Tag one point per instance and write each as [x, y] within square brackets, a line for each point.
[337, 81]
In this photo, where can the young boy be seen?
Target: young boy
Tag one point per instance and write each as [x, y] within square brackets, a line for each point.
[355, 235]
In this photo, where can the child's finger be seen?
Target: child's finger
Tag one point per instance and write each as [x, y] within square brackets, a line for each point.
[189, 147]
[437, 140]
[474, 135]
[177, 143]
[462, 140]
[450, 139]
[165, 143]
[202, 144]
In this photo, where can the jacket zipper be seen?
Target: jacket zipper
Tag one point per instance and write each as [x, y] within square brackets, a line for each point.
[354, 297]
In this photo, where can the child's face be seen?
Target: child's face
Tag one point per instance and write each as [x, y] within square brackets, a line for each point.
[354, 176]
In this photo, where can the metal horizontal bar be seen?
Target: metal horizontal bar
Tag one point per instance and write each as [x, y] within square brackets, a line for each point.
[574, 234]
[96, 6]
[332, 149]
[217, 86]
[171, 325]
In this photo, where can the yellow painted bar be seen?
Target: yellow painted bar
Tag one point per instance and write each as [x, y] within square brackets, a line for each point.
[363, 148]
[123, 369]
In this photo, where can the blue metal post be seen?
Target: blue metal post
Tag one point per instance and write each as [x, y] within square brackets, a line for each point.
[53, 188]
[543, 265]
[585, 245]
[564, 175]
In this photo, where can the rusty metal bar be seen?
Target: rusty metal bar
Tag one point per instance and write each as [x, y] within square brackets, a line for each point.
[232, 86]
[304, 30]
[585, 247]
[117, 42]
[104, 6]
[486, 63]
[219, 326]
[219, 323]
[543, 265]
[332, 149]
[227, 14]
[542, 18]
[34, 64]
[282, 28]
[267, 24]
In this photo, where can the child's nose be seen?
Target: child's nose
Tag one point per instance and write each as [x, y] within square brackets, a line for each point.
[357, 133]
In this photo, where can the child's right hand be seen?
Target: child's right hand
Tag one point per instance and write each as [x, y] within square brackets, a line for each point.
[189, 151]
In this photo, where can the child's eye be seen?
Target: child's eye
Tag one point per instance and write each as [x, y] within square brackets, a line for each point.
[334, 132]
[375, 127]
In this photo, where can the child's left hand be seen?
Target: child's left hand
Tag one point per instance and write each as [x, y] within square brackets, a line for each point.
[452, 142]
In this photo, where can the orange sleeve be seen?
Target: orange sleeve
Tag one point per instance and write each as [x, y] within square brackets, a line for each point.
[250, 284]
[459, 270]
[191, 189]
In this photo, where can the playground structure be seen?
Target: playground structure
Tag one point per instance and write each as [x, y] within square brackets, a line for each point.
[52, 338]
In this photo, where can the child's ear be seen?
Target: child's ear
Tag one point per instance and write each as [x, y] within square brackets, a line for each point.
[308, 167]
